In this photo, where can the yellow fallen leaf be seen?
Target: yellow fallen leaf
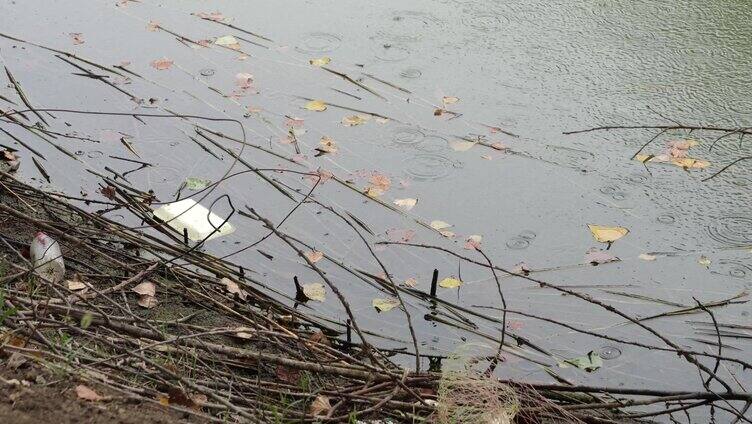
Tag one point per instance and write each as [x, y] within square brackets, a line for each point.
[353, 120]
[320, 61]
[316, 105]
[410, 282]
[450, 283]
[327, 145]
[314, 256]
[647, 257]
[704, 261]
[228, 41]
[406, 204]
[440, 225]
[75, 284]
[385, 305]
[461, 145]
[372, 191]
[314, 291]
[607, 234]
[690, 163]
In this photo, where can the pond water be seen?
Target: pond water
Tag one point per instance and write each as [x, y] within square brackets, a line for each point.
[515, 75]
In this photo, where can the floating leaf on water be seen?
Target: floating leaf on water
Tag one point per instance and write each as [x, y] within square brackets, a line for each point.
[499, 146]
[228, 41]
[77, 38]
[381, 181]
[314, 256]
[152, 26]
[402, 235]
[647, 257]
[438, 112]
[314, 291]
[373, 191]
[320, 61]
[440, 225]
[448, 100]
[589, 363]
[381, 120]
[683, 162]
[605, 234]
[353, 120]
[461, 145]
[162, 64]
[406, 204]
[521, 268]
[450, 283]
[597, 256]
[385, 305]
[243, 80]
[327, 145]
[473, 242]
[193, 183]
[212, 16]
[446, 233]
[410, 282]
[704, 261]
[316, 105]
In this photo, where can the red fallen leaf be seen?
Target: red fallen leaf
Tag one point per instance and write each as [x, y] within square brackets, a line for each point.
[108, 192]
[514, 324]
[597, 256]
[162, 64]
[212, 16]
[294, 122]
[77, 38]
[380, 181]
[400, 235]
[288, 375]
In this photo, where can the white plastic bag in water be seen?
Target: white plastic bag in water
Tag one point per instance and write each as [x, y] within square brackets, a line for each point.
[189, 215]
[47, 257]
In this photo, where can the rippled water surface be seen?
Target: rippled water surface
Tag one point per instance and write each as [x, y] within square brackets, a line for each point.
[533, 69]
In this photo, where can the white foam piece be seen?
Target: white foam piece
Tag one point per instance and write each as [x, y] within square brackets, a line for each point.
[191, 215]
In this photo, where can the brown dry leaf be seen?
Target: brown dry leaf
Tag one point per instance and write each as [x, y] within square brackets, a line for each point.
[228, 41]
[243, 80]
[605, 234]
[233, 288]
[86, 393]
[406, 204]
[245, 333]
[438, 112]
[461, 145]
[327, 145]
[353, 120]
[148, 302]
[288, 375]
[77, 38]
[410, 282]
[146, 288]
[319, 337]
[162, 64]
[75, 284]
[448, 100]
[314, 256]
[316, 105]
[320, 406]
[212, 16]
[320, 61]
